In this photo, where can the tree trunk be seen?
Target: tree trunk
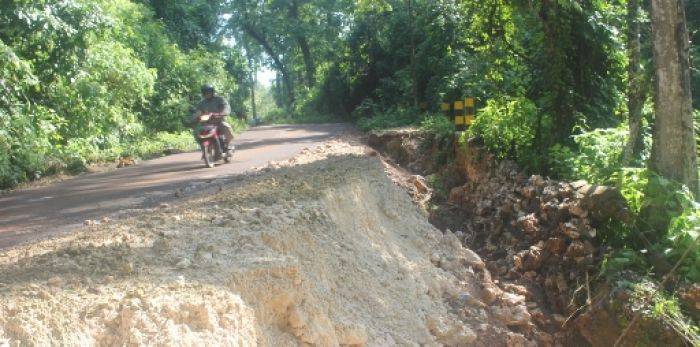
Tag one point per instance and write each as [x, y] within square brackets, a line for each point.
[253, 77]
[414, 74]
[636, 88]
[253, 80]
[279, 65]
[673, 151]
[308, 61]
[557, 71]
[303, 45]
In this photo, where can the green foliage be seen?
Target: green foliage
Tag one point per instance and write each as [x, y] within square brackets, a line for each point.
[162, 142]
[392, 118]
[85, 81]
[665, 222]
[280, 116]
[563, 56]
[664, 217]
[624, 259]
[25, 128]
[188, 23]
[683, 233]
[651, 301]
[436, 181]
[439, 125]
[596, 158]
[507, 126]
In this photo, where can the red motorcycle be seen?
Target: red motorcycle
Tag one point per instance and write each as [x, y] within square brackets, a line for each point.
[211, 141]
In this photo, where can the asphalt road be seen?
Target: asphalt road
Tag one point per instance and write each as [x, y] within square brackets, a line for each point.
[38, 213]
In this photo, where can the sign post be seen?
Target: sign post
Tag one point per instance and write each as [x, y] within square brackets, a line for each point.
[469, 106]
[459, 115]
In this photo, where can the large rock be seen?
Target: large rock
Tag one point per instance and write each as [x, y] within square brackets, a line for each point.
[449, 332]
[529, 260]
[601, 202]
[512, 315]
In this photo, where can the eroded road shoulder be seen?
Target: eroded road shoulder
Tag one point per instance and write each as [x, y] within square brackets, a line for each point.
[322, 249]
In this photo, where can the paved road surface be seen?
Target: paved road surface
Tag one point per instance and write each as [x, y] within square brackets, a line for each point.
[37, 213]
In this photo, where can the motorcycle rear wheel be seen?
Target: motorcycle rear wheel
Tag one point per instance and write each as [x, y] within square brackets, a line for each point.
[229, 153]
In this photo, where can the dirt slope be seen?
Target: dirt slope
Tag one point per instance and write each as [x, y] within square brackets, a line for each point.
[322, 250]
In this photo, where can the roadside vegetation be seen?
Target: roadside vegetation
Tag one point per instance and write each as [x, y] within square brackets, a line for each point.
[90, 81]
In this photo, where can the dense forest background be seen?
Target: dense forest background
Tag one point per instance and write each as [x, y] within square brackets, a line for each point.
[85, 81]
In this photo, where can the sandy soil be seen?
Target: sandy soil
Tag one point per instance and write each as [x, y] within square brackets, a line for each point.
[320, 250]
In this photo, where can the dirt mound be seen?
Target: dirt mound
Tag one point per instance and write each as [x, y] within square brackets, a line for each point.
[322, 250]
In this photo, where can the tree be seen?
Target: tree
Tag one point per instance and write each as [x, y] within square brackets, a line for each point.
[636, 83]
[259, 21]
[673, 151]
[190, 23]
[303, 43]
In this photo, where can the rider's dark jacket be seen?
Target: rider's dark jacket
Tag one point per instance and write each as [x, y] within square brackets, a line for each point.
[215, 104]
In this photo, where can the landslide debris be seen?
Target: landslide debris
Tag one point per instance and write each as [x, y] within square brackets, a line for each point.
[320, 250]
[538, 237]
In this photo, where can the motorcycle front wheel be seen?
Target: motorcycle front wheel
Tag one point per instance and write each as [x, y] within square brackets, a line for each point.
[209, 155]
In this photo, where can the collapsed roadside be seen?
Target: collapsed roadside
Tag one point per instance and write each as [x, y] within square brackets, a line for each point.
[322, 249]
[542, 238]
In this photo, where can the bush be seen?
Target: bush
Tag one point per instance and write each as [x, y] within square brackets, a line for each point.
[280, 116]
[665, 221]
[683, 232]
[439, 125]
[160, 143]
[596, 158]
[507, 126]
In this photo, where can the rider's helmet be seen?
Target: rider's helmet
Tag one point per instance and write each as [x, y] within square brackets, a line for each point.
[207, 88]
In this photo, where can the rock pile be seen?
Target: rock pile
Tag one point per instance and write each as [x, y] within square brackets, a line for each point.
[538, 236]
[535, 230]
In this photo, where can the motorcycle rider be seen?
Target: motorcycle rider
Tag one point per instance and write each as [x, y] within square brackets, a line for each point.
[215, 105]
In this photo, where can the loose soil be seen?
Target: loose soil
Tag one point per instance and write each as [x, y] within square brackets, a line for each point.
[322, 249]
